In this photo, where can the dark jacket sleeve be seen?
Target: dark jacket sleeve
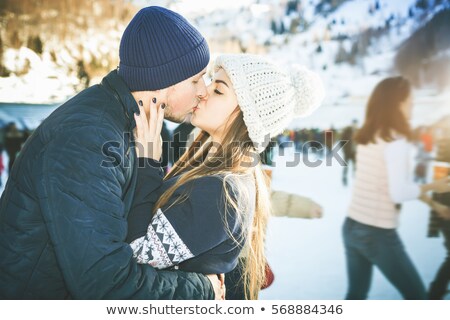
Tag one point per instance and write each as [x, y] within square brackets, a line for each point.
[188, 229]
[81, 200]
[149, 179]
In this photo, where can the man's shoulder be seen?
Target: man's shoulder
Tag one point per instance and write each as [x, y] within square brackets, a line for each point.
[91, 104]
[92, 112]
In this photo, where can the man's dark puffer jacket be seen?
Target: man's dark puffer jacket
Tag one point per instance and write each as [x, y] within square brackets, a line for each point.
[63, 214]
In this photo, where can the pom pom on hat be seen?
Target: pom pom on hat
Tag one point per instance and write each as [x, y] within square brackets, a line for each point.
[309, 91]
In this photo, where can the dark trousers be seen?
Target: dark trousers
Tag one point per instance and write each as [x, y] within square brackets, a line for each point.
[367, 246]
[439, 286]
[348, 157]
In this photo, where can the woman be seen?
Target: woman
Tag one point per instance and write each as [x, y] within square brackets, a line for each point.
[215, 202]
[381, 184]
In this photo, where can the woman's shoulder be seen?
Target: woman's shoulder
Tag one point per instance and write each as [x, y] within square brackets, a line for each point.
[397, 148]
[235, 184]
[398, 141]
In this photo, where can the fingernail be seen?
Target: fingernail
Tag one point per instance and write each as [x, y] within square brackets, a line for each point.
[140, 103]
[163, 106]
[154, 100]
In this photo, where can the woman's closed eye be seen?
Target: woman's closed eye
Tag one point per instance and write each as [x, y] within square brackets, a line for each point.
[218, 83]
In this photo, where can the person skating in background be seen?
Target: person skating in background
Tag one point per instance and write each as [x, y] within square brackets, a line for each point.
[2, 146]
[437, 225]
[349, 149]
[423, 158]
[13, 143]
[215, 202]
[329, 136]
[381, 184]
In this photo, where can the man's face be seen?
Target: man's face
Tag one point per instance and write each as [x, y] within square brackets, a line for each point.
[183, 97]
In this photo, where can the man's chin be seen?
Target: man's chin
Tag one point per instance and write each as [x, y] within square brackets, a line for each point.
[176, 119]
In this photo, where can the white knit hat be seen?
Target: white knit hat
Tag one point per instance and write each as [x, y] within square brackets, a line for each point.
[268, 97]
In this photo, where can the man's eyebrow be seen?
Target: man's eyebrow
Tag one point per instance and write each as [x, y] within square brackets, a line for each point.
[221, 81]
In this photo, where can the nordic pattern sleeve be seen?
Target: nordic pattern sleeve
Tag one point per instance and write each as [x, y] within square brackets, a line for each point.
[149, 179]
[188, 229]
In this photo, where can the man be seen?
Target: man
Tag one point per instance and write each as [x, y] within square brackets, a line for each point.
[63, 214]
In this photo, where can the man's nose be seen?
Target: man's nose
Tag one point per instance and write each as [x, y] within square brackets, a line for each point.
[202, 92]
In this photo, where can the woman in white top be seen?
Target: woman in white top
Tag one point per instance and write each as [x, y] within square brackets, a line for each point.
[381, 184]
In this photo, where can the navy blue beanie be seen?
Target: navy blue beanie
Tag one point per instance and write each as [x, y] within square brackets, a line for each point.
[160, 48]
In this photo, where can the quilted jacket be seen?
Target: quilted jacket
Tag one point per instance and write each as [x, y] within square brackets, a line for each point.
[63, 214]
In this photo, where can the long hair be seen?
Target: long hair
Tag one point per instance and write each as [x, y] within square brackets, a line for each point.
[384, 117]
[236, 156]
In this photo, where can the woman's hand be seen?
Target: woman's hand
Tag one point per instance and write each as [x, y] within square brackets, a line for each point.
[148, 132]
[218, 283]
[316, 211]
[441, 210]
[441, 185]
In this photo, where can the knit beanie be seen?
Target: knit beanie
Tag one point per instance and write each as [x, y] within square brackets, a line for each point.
[160, 48]
[269, 97]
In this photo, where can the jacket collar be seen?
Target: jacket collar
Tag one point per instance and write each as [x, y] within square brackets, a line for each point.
[121, 92]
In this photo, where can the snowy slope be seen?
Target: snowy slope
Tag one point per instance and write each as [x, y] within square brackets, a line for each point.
[348, 86]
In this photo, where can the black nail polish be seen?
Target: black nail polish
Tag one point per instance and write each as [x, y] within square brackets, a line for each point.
[163, 106]
[140, 103]
[154, 100]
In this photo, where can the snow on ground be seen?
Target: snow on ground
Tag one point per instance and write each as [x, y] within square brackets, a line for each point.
[307, 256]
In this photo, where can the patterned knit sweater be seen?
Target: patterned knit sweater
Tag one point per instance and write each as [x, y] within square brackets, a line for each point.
[198, 234]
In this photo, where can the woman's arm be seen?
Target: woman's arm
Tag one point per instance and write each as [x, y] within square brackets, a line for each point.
[190, 228]
[397, 158]
[400, 188]
[148, 147]
[292, 205]
[442, 211]
[149, 179]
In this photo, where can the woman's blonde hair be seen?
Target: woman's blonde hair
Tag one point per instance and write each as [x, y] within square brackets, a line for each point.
[235, 157]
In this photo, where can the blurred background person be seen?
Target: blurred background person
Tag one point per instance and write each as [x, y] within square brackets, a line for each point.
[438, 225]
[423, 139]
[381, 184]
[13, 143]
[349, 149]
[2, 145]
